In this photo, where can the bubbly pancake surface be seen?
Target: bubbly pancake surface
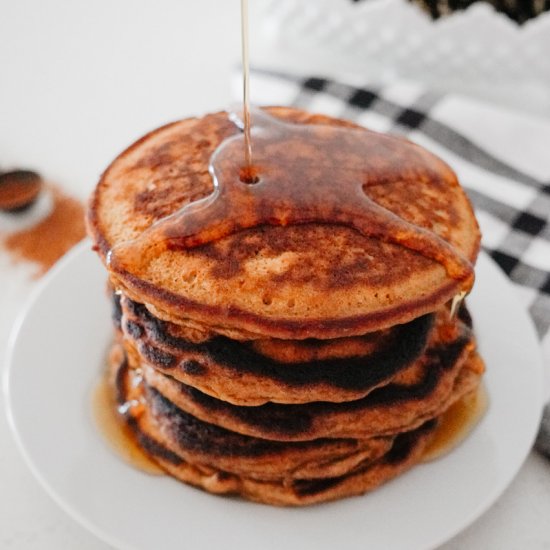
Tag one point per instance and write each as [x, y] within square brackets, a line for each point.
[312, 280]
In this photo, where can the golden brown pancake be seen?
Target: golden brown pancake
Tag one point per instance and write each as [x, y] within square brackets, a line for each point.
[228, 369]
[289, 355]
[199, 442]
[313, 280]
[388, 410]
[310, 483]
[448, 369]
[407, 450]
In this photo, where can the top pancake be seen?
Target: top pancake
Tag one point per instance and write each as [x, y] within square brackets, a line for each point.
[317, 280]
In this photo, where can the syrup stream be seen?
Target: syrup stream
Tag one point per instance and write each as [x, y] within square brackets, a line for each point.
[246, 83]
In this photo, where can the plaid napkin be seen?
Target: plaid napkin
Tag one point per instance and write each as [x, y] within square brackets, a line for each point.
[501, 158]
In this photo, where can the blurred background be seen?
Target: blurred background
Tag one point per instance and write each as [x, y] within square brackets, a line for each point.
[497, 51]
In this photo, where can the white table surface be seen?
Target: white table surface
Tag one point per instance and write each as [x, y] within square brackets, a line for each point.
[78, 82]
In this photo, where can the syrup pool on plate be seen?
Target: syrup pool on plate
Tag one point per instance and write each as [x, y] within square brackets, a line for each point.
[116, 432]
[457, 422]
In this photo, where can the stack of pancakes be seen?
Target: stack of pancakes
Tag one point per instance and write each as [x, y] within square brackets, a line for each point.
[290, 365]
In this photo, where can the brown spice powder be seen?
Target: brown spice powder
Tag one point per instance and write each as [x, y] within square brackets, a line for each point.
[47, 241]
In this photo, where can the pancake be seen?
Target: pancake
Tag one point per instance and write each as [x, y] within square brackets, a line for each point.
[289, 341]
[136, 320]
[199, 442]
[316, 280]
[228, 369]
[407, 450]
[449, 374]
[360, 474]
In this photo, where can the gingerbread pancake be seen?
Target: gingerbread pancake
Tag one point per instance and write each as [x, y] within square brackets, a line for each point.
[446, 376]
[406, 451]
[283, 329]
[320, 370]
[202, 443]
[323, 279]
[361, 476]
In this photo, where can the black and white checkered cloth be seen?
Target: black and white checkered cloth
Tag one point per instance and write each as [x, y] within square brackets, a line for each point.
[508, 152]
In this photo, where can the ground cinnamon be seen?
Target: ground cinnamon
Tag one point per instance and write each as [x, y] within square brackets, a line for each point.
[50, 238]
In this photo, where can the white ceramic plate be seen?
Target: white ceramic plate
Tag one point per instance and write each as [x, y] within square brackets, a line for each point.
[57, 352]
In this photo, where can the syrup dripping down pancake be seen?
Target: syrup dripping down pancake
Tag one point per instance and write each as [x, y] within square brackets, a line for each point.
[289, 343]
[314, 280]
